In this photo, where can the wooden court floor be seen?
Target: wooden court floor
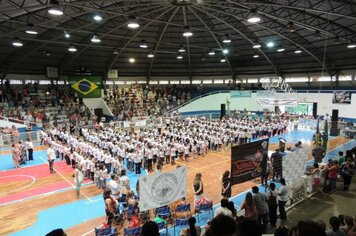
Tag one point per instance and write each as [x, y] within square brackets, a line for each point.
[20, 215]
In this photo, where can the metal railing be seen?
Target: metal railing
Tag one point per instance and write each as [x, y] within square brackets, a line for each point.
[6, 140]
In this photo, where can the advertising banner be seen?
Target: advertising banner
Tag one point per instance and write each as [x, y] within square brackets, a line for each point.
[245, 161]
[240, 94]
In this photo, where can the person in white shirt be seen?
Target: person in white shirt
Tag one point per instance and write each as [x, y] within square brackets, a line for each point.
[114, 187]
[78, 179]
[223, 208]
[51, 157]
[29, 147]
[282, 199]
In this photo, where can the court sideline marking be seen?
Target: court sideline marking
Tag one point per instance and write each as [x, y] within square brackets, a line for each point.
[68, 181]
[26, 186]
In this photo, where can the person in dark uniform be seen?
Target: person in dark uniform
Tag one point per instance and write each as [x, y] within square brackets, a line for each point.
[264, 168]
[276, 158]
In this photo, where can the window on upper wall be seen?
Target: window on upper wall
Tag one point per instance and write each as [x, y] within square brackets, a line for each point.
[130, 82]
[252, 81]
[119, 82]
[30, 81]
[218, 81]
[163, 82]
[227, 81]
[141, 82]
[345, 77]
[153, 82]
[207, 81]
[324, 79]
[244, 81]
[44, 82]
[15, 81]
[265, 80]
[196, 81]
[296, 79]
[109, 82]
[60, 82]
[185, 82]
[174, 82]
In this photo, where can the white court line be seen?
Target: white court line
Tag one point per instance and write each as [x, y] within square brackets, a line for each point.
[26, 186]
[68, 181]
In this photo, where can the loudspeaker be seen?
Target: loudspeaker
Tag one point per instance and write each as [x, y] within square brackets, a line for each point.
[222, 111]
[335, 115]
[315, 110]
[99, 113]
[334, 131]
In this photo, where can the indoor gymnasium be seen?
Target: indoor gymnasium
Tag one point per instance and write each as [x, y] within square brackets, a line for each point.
[177, 117]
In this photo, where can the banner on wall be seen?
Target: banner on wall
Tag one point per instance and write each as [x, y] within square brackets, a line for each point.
[246, 159]
[342, 97]
[277, 102]
[162, 189]
[86, 86]
[294, 165]
[240, 94]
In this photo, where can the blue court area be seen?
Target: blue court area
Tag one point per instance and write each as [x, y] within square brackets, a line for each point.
[69, 215]
[6, 162]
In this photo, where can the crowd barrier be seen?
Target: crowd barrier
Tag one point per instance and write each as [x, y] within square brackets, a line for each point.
[6, 140]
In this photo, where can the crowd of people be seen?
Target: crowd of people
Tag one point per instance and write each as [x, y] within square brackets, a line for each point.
[142, 101]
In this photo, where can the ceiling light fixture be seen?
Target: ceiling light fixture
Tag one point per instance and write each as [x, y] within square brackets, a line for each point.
[290, 27]
[225, 51]
[179, 56]
[30, 29]
[132, 60]
[72, 48]
[97, 17]
[351, 45]
[95, 39]
[297, 51]
[181, 49]
[256, 45]
[47, 53]
[66, 35]
[54, 9]
[253, 17]
[226, 39]
[143, 44]
[270, 44]
[223, 60]
[115, 52]
[17, 43]
[212, 52]
[187, 32]
[280, 50]
[203, 58]
[150, 55]
[256, 56]
[133, 24]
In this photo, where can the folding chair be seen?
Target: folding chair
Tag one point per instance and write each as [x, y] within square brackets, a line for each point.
[132, 231]
[204, 207]
[164, 212]
[111, 231]
[162, 227]
[180, 223]
[181, 208]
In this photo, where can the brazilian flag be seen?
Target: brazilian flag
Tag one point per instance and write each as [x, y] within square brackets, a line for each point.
[86, 86]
